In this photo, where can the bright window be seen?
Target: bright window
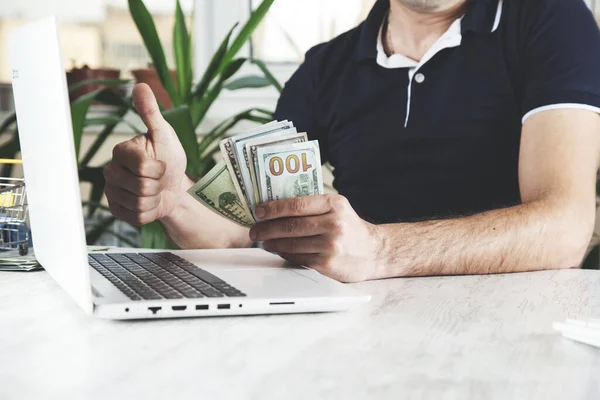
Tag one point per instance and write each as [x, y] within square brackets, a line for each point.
[97, 33]
[294, 26]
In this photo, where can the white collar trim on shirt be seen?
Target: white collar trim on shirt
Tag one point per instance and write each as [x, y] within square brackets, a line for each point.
[451, 38]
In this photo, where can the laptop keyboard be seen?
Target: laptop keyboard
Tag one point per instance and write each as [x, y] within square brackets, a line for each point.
[154, 276]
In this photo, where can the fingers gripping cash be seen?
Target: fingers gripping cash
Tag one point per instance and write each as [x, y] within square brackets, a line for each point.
[272, 162]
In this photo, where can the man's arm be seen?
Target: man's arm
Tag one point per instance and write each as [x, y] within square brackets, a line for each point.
[560, 152]
[550, 230]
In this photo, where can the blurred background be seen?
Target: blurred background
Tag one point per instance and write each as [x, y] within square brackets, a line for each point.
[103, 35]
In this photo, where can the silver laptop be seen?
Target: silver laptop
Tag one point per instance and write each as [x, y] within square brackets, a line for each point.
[186, 283]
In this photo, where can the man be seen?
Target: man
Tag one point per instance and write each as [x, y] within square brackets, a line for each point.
[465, 138]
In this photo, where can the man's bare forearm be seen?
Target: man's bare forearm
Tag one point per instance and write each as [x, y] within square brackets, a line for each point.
[534, 236]
[193, 226]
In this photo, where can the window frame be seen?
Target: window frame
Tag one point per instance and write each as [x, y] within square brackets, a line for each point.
[212, 19]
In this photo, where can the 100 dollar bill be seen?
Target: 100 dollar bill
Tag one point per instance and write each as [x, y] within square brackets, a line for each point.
[217, 191]
[235, 174]
[252, 151]
[238, 144]
[289, 171]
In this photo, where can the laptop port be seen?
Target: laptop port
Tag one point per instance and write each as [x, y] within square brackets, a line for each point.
[154, 309]
[202, 307]
[224, 306]
[283, 303]
[178, 308]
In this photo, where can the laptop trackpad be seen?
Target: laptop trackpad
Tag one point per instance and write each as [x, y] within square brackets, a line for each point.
[271, 282]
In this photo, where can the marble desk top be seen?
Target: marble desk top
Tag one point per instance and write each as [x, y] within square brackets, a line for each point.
[474, 337]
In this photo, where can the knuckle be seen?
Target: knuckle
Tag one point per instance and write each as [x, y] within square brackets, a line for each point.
[137, 167]
[120, 149]
[336, 225]
[297, 205]
[328, 264]
[140, 204]
[272, 208]
[290, 225]
[145, 167]
[141, 219]
[332, 247]
[117, 150]
[145, 187]
[310, 225]
[338, 202]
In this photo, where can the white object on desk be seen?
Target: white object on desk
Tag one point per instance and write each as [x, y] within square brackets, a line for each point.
[587, 332]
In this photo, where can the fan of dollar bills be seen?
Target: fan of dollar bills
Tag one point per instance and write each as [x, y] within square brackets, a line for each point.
[271, 162]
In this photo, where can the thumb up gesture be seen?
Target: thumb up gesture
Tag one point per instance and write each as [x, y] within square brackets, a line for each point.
[147, 173]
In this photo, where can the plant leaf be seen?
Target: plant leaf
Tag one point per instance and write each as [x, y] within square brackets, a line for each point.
[154, 237]
[145, 25]
[95, 176]
[208, 161]
[231, 68]
[110, 120]
[104, 82]
[10, 148]
[94, 234]
[97, 205]
[100, 139]
[182, 54]
[122, 238]
[110, 97]
[96, 193]
[246, 32]
[268, 75]
[221, 129]
[246, 82]
[214, 65]
[80, 107]
[181, 121]
[200, 107]
[11, 119]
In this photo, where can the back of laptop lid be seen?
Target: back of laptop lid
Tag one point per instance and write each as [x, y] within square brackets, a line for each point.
[48, 151]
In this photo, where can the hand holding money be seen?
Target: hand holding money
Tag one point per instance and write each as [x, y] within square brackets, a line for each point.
[271, 162]
[268, 181]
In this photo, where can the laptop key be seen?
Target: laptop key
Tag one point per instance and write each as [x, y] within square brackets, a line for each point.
[212, 293]
[236, 294]
[202, 274]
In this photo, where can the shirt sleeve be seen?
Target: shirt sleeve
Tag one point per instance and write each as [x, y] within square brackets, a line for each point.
[298, 102]
[560, 57]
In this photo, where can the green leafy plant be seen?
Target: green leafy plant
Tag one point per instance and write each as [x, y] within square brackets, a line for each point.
[192, 100]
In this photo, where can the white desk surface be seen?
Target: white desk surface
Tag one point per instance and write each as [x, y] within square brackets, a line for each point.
[486, 337]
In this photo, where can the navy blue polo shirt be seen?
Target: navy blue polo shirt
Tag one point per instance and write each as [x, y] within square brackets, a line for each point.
[441, 138]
